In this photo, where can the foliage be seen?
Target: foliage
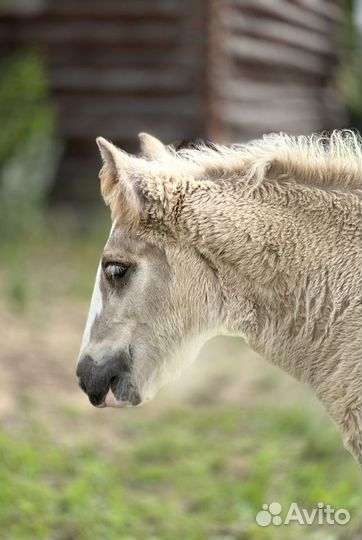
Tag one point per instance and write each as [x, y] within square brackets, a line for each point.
[28, 160]
[27, 147]
[349, 73]
[191, 475]
[55, 261]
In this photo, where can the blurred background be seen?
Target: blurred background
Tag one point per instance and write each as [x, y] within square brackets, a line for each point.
[233, 432]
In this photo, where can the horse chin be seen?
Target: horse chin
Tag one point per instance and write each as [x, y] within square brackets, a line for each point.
[110, 400]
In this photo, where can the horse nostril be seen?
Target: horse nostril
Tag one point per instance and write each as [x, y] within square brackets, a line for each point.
[109, 373]
[114, 384]
[82, 385]
[96, 399]
[85, 365]
[84, 372]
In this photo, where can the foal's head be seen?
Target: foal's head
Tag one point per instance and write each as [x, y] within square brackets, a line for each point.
[155, 295]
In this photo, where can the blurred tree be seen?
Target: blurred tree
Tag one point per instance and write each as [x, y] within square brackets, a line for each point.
[28, 153]
[349, 74]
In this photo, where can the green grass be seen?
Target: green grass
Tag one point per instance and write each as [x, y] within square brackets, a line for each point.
[193, 474]
[199, 473]
[54, 259]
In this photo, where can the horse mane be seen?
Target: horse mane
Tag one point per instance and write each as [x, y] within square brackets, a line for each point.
[325, 161]
[319, 161]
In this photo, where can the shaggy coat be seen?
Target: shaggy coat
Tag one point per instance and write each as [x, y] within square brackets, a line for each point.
[277, 223]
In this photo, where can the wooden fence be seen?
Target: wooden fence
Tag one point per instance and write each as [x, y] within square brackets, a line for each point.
[272, 67]
[224, 69]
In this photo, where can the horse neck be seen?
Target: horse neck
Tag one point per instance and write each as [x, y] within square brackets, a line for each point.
[280, 256]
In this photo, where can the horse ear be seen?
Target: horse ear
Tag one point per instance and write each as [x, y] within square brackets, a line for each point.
[134, 186]
[118, 177]
[151, 147]
[109, 155]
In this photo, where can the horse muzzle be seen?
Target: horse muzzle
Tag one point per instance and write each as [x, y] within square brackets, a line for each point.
[108, 383]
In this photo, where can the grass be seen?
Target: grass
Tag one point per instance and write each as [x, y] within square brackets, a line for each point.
[55, 258]
[193, 474]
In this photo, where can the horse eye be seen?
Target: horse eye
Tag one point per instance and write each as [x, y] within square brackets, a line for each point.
[114, 270]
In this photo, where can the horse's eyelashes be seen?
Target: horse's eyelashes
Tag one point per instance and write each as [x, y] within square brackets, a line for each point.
[114, 270]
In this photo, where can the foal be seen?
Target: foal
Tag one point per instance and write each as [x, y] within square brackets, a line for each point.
[261, 240]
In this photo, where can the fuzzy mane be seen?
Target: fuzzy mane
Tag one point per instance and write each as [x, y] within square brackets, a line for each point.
[320, 160]
[324, 162]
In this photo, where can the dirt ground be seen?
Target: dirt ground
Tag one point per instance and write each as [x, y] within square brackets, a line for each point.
[39, 350]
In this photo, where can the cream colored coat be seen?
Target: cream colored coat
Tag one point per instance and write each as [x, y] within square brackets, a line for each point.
[277, 225]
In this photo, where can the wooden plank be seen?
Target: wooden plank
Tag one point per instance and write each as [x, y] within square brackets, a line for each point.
[249, 111]
[113, 79]
[283, 74]
[285, 11]
[302, 123]
[243, 89]
[332, 9]
[118, 56]
[162, 93]
[106, 8]
[279, 31]
[141, 34]
[261, 52]
[122, 127]
[245, 133]
[283, 116]
[173, 106]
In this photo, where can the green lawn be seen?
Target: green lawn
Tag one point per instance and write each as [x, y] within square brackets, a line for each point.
[200, 472]
[194, 473]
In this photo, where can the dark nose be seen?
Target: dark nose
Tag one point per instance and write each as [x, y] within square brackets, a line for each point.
[95, 379]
